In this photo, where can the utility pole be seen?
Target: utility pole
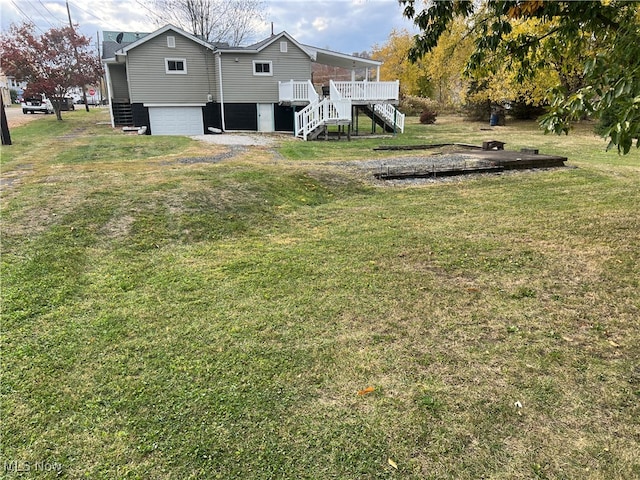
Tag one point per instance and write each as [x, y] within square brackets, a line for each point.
[75, 49]
[6, 135]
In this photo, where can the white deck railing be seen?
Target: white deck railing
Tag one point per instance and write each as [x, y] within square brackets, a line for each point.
[321, 113]
[391, 114]
[367, 91]
[294, 91]
[372, 92]
[337, 108]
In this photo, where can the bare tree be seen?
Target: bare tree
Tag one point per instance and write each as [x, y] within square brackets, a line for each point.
[230, 21]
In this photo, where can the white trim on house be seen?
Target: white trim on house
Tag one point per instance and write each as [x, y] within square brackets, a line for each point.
[175, 71]
[262, 73]
[107, 74]
[222, 120]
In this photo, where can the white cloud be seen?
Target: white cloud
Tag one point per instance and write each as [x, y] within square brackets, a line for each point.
[320, 24]
[341, 25]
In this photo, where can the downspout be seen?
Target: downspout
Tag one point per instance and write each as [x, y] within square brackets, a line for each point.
[108, 75]
[224, 127]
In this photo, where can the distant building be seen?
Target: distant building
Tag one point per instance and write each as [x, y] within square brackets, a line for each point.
[8, 83]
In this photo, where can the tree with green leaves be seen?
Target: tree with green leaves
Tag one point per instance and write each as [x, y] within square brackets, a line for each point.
[604, 35]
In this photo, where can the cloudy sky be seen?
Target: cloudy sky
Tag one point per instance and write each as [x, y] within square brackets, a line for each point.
[341, 25]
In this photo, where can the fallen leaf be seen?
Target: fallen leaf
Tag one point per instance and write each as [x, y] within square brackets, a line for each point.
[366, 391]
[392, 463]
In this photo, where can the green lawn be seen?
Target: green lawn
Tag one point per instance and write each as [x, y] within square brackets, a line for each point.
[172, 320]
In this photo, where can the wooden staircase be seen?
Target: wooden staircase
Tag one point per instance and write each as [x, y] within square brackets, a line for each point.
[390, 119]
[122, 114]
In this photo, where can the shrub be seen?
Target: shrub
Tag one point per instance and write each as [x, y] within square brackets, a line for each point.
[428, 116]
[412, 106]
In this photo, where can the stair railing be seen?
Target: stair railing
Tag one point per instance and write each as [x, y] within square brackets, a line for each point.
[391, 115]
[321, 113]
[309, 118]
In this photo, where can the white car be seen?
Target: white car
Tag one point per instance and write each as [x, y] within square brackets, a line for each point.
[36, 103]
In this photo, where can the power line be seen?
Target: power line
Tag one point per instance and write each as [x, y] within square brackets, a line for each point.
[26, 16]
[48, 11]
[153, 13]
[87, 12]
[40, 15]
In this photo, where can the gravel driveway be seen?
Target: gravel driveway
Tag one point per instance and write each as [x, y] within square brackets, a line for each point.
[242, 139]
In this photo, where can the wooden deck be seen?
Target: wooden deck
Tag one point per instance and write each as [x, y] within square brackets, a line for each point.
[511, 160]
[466, 161]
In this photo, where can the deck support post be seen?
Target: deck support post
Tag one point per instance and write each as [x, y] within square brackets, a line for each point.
[373, 118]
[354, 116]
[395, 117]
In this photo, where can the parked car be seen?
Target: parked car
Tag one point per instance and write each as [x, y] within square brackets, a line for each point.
[67, 104]
[36, 103]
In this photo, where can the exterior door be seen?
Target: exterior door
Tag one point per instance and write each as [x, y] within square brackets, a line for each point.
[265, 117]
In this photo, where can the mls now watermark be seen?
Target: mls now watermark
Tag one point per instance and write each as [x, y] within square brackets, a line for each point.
[19, 466]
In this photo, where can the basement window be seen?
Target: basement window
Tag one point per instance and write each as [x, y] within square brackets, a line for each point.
[175, 65]
[262, 68]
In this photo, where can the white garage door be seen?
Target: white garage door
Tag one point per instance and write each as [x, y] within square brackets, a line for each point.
[176, 120]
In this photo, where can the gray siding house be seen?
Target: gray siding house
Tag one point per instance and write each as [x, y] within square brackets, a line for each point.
[174, 83]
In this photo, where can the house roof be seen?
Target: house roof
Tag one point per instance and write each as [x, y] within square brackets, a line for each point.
[318, 55]
[109, 48]
[336, 59]
[261, 45]
[125, 47]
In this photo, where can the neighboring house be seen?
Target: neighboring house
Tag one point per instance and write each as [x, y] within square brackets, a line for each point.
[174, 83]
[4, 89]
[8, 83]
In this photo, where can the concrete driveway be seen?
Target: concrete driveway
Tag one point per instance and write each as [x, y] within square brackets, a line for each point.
[243, 139]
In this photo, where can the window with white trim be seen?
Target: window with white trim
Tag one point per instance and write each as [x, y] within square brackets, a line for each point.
[284, 46]
[171, 42]
[175, 65]
[263, 68]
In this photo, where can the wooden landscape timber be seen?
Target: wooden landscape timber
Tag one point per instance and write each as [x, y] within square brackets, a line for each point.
[479, 160]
